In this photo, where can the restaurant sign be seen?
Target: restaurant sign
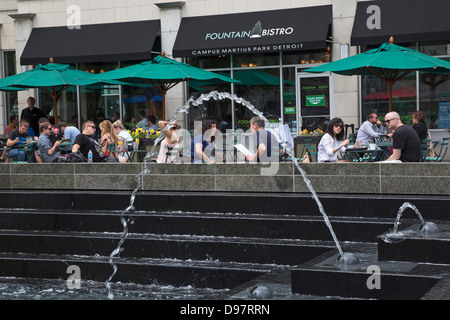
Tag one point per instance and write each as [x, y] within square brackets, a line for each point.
[289, 110]
[315, 101]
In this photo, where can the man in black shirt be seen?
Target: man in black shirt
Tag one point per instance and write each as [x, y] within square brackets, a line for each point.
[32, 115]
[406, 143]
[86, 141]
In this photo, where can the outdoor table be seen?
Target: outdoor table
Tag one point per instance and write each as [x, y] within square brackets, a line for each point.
[130, 155]
[362, 154]
[385, 146]
[28, 148]
[66, 147]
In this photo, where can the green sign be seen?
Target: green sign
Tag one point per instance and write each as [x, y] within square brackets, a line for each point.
[289, 110]
[315, 101]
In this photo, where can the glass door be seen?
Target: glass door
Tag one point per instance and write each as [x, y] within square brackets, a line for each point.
[314, 101]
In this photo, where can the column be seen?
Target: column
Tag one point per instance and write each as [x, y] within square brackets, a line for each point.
[170, 16]
[346, 89]
[23, 24]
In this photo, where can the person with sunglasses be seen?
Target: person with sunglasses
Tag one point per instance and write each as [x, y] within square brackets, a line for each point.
[332, 142]
[86, 142]
[46, 149]
[406, 143]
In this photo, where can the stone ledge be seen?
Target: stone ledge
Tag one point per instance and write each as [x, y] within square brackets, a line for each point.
[333, 178]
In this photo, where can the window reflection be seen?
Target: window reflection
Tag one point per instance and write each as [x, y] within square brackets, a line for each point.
[261, 87]
[99, 102]
[375, 97]
[9, 69]
[219, 110]
[435, 100]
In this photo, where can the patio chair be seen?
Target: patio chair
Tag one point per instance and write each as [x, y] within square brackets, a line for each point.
[347, 126]
[440, 155]
[312, 153]
[424, 148]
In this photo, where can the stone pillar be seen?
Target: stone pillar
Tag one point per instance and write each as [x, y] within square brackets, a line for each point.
[170, 16]
[23, 24]
[346, 101]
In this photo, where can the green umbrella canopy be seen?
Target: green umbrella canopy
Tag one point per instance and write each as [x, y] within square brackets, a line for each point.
[162, 73]
[388, 62]
[51, 78]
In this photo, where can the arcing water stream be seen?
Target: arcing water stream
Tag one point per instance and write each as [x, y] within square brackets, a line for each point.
[195, 102]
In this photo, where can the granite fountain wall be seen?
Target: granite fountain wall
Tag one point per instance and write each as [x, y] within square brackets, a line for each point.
[337, 178]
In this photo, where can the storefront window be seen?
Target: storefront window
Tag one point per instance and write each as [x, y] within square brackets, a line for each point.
[99, 102]
[219, 110]
[215, 62]
[307, 57]
[375, 97]
[256, 60]
[261, 87]
[435, 48]
[289, 99]
[435, 100]
[433, 97]
[66, 104]
[139, 100]
[9, 69]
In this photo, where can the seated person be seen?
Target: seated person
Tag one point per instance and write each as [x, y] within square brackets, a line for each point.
[202, 145]
[16, 138]
[170, 146]
[86, 142]
[332, 141]
[406, 143]
[46, 149]
[370, 129]
[69, 132]
[266, 145]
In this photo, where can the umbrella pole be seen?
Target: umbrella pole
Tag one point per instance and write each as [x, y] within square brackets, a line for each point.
[55, 112]
[390, 85]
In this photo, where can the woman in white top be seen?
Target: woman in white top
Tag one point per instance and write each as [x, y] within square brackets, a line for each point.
[123, 134]
[170, 145]
[332, 141]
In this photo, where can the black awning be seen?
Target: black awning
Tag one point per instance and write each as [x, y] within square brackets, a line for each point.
[254, 32]
[405, 20]
[91, 43]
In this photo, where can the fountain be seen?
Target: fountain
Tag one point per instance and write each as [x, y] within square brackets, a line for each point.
[343, 258]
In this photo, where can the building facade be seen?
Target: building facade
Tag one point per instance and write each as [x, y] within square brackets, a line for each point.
[264, 44]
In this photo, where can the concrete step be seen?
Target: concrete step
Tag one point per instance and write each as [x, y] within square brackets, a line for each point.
[142, 271]
[412, 244]
[183, 247]
[207, 224]
[376, 206]
[398, 280]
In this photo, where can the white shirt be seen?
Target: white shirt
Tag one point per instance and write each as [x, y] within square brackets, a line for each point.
[126, 136]
[325, 149]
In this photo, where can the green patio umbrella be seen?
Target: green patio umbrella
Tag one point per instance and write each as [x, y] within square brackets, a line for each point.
[162, 73]
[52, 78]
[388, 62]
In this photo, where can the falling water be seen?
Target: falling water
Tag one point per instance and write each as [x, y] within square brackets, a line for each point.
[400, 212]
[195, 102]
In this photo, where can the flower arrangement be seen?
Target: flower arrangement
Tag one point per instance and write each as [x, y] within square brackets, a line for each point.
[140, 133]
[316, 132]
